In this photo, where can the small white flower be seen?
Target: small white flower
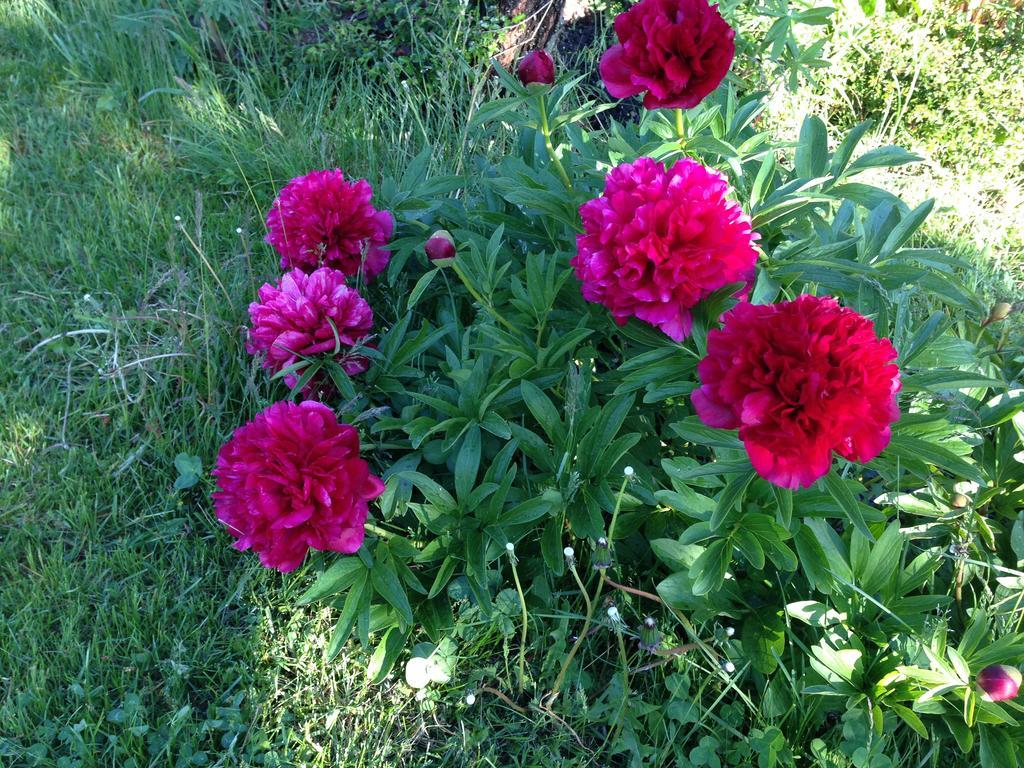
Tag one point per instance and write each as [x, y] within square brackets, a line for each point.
[510, 547]
[730, 631]
[238, 230]
[569, 553]
[470, 699]
[87, 297]
[729, 667]
[418, 672]
[177, 219]
[628, 472]
[613, 613]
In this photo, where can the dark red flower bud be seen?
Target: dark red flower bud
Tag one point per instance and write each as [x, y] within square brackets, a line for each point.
[537, 67]
[440, 247]
[999, 682]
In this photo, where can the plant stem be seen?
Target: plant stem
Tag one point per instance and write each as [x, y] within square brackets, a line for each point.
[522, 636]
[680, 125]
[545, 130]
[481, 300]
[378, 531]
[556, 689]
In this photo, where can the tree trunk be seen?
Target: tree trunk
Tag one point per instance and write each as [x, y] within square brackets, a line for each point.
[539, 21]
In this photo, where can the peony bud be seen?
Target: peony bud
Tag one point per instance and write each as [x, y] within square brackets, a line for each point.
[440, 247]
[999, 682]
[959, 501]
[537, 67]
[1000, 312]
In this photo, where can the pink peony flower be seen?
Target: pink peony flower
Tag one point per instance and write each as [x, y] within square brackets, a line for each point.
[537, 67]
[292, 479]
[999, 682]
[678, 51]
[800, 379]
[321, 219]
[298, 318]
[657, 242]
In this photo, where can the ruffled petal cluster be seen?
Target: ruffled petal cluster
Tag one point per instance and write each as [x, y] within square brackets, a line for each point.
[291, 480]
[323, 220]
[657, 242]
[309, 315]
[799, 379]
[677, 51]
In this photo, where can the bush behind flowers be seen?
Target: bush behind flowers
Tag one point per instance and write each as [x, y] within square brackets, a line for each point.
[548, 474]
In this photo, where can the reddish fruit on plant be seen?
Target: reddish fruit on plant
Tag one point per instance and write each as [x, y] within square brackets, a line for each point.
[999, 682]
[537, 67]
[440, 248]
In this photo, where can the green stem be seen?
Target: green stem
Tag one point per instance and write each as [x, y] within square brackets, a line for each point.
[378, 531]
[680, 125]
[556, 689]
[522, 637]
[481, 300]
[545, 130]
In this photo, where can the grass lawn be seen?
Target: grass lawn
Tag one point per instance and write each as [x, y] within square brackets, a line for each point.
[131, 633]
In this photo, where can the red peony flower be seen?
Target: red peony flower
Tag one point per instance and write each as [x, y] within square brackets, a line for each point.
[537, 67]
[298, 318]
[657, 242]
[440, 247]
[292, 479]
[999, 682]
[321, 219]
[676, 50]
[800, 379]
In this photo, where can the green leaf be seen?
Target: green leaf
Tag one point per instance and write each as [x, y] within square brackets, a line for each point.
[905, 229]
[910, 718]
[386, 583]
[997, 748]
[342, 574]
[812, 148]
[420, 288]
[842, 495]
[813, 559]
[385, 655]
[725, 509]
[349, 613]
[467, 463]
[883, 562]
[708, 570]
[763, 639]
[930, 453]
[543, 411]
[444, 575]
[881, 157]
[694, 431]
[783, 503]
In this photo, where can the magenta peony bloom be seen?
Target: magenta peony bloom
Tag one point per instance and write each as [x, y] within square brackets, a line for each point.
[999, 682]
[292, 479]
[298, 318]
[657, 242]
[440, 247]
[321, 219]
[537, 67]
[800, 379]
[678, 51]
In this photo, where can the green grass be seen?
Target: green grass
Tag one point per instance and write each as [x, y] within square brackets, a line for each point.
[131, 633]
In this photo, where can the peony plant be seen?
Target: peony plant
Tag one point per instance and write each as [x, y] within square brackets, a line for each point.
[662, 391]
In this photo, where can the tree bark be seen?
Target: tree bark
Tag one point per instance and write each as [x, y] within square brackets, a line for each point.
[539, 19]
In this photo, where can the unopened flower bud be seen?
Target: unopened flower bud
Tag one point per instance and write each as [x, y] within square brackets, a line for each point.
[999, 312]
[602, 557]
[650, 637]
[959, 501]
[537, 67]
[999, 682]
[440, 248]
